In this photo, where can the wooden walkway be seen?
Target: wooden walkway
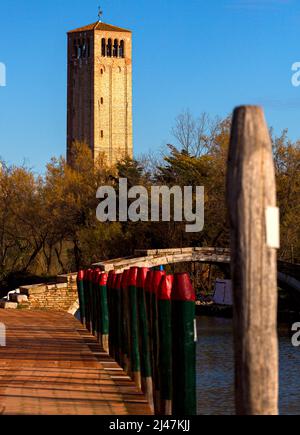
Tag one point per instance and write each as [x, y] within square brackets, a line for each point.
[51, 365]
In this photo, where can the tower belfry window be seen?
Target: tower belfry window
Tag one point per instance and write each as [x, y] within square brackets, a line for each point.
[109, 48]
[122, 49]
[103, 49]
[116, 48]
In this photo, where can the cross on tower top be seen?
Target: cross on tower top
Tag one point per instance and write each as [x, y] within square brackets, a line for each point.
[100, 13]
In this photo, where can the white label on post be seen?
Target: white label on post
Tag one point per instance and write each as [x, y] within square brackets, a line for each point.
[195, 331]
[272, 227]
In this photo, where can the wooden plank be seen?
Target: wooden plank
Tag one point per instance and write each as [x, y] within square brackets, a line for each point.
[52, 366]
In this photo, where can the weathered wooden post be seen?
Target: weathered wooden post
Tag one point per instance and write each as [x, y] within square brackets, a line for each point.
[254, 225]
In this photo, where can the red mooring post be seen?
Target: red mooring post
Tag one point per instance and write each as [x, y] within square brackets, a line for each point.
[184, 346]
[125, 323]
[134, 329]
[118, 320]
[104, 315]
[146, 372]
[88, 300]
[156, 280]
[80, 289]
[165, 343]
[112, 312]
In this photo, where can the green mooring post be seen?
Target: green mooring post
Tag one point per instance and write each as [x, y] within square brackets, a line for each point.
[96, 305]
[134, 329]
[148, 298]
[156, 280]
[146, 373]
[126, 347]
[183, 346]
[87, 299]
[80, 288]
[118, 319]
[111, 312]
[165, 343]
[104, 318]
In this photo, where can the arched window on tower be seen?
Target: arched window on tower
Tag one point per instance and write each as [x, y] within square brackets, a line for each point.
[84, 49]
[103, 47]
[74, 48]
[88, 47]
[116, 48]
[79, 50]
[122, 49]
[109, 48]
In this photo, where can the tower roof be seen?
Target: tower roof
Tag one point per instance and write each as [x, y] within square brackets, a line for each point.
[98, 25]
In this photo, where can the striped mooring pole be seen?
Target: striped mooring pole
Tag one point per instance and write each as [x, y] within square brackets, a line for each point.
[183, 346]
[156, 280]
[80, 288]
[165, 343]
[134, 331]
[118, 319]
[104, 315]
[112, 312]
[146, 372]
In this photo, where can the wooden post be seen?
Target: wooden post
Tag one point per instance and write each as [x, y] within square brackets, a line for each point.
[251, 199]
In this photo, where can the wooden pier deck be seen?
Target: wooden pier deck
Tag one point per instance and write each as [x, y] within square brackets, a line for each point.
[52, 366]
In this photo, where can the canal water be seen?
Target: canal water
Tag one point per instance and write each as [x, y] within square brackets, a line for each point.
[215, 369]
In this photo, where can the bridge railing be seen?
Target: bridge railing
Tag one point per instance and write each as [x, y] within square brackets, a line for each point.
[145, 320]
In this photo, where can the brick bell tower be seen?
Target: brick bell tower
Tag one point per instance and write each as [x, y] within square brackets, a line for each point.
[100, 90]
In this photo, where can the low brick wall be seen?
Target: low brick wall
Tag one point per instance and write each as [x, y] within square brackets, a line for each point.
[59, 296]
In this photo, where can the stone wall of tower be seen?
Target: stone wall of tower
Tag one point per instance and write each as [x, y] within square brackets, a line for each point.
[100, 97]
[80, 111]
[113, 100]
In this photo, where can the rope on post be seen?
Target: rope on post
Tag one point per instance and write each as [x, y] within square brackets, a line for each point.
[183, 346]
[165, 343]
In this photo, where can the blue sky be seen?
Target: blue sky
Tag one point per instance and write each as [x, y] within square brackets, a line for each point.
[197, 54]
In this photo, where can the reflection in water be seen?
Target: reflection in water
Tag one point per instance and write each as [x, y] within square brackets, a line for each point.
[215, 375]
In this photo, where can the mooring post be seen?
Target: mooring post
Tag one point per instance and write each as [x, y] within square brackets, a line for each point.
[134, 329]
[112, 311]
[97, 305]
[104, 317]
[146, 373]
[165, 343]
[118, 319]
[254, 226]
[80, 289]
[183, 346]
[88, 315]
[125, 323]
[156, 280]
